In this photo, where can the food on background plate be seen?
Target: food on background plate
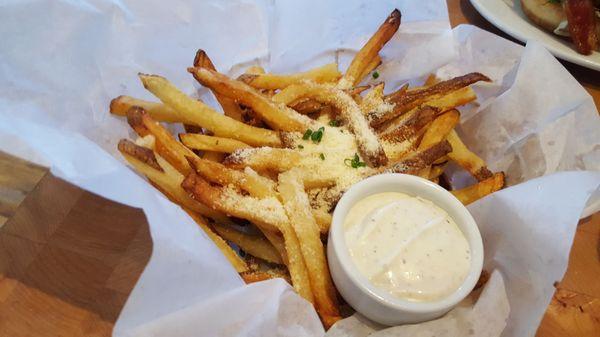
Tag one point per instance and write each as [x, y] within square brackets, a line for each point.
[577, 19]
[266, 175]
[407, 246]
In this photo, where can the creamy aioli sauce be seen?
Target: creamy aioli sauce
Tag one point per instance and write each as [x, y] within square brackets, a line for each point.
[407, 246]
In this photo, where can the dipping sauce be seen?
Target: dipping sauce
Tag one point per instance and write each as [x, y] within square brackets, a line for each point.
[407, 246]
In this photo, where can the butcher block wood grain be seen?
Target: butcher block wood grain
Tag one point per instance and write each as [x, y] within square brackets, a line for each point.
[69, 258]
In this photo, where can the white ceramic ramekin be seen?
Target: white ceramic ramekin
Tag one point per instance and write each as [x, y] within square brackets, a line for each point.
[377, 304]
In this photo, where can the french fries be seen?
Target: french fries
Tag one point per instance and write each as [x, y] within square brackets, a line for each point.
[230, 107]
[467, 159]
[254, 245]
[409, 124]
[256, 185]
[200, 114]
[419, 160]
[325, 74]
[158, 111]
[364, 58]
[439, 129]
[273, 167]
[267, 213]
[407, 100]
[369, 144]
[277, 116]
[297, 207]
[168, 180]
[375, 62]
[196, 141]
[264, 159]
[475, 192]
[233, 258]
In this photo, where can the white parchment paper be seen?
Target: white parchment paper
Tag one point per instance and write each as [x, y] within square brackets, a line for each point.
[62, 61]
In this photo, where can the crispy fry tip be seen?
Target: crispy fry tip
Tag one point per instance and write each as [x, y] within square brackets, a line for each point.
[394, 17]
[140, 153]
[112, 107]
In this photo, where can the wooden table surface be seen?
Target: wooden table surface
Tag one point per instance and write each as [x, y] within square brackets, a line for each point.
[69, 258]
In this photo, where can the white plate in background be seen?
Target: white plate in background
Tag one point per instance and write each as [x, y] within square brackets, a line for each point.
[508, 16]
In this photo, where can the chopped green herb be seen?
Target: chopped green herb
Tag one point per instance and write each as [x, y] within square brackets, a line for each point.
[354, 162]
[300, 146]
[317, 135]
[375, 75]
[322, 156]
[334, 122]
[307, 134]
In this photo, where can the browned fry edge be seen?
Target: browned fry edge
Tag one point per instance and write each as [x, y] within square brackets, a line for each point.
[404, 101]
[411, 125]
[483, 173]
[421, 159]
[135, 120]
[139, 152]
[202, 60]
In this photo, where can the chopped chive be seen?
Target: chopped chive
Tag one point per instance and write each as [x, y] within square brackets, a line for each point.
[307, 134]
[322, 156]
[354, 162]
[317, 135]
[334, 122]
[375, 75]
[300, 146]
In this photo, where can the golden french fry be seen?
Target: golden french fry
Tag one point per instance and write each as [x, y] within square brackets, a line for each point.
[276, 239]
[313, 180]
[296, 263]
[367, 140]
[158, 111]
[375, 62]
[278, 116]
[230, 107]
[395, 150]
[323, 219]
[269, 216]
[165, 177]
[409, 124]
[248, 180]
[373, 100]
[370, 50]
[453, 99]
[437, 170]
[307, 106]
[217, 157]
[258, 275]
[479, 190]
[415, 161]
[323, 74]
[169, 148]
[467, 159]
[439, 129]
[233, 258]
[197, 113]
[254, 245]
[407, 100]
[211, 143]
[264, 159]
[298, 209]
[266, 213]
